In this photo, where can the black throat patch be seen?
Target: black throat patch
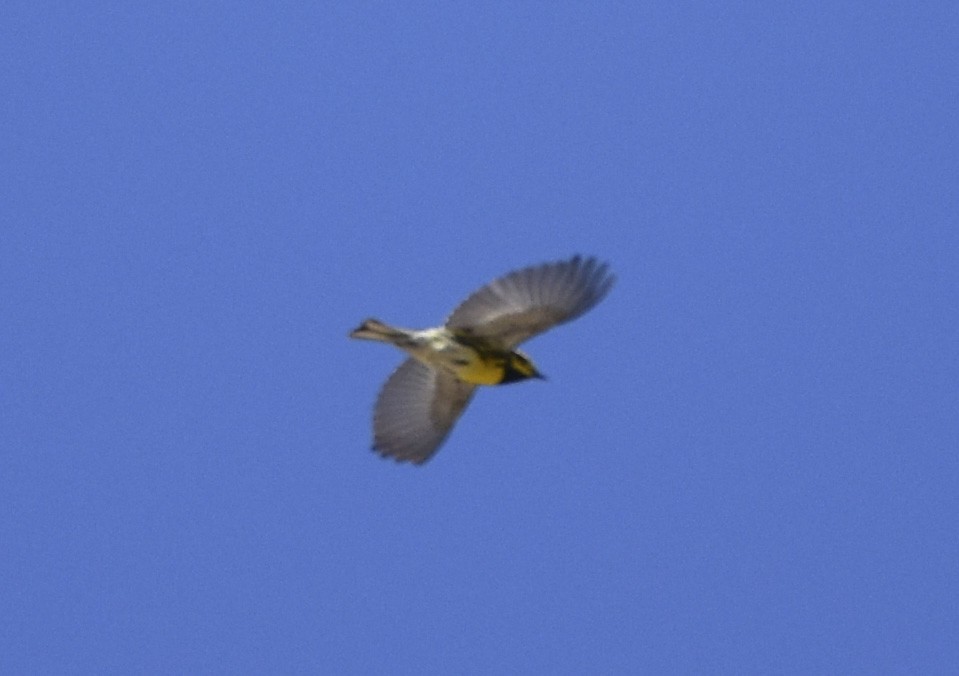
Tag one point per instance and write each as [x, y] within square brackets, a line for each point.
[512, 375]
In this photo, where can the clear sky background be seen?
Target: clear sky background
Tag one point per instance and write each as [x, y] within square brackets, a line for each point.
[743, 461]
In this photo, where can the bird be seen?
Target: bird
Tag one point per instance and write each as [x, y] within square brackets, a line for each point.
[423, 398]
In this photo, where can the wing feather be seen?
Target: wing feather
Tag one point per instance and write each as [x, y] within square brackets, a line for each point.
[526, 302]
[416, 410]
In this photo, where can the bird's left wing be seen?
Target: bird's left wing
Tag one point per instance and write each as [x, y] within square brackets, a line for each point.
[415, 411]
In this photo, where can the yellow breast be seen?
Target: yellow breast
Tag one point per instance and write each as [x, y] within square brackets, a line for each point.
[481, 372]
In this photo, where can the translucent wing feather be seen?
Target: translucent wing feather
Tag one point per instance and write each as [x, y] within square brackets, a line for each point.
[524, 303]
[415, 411]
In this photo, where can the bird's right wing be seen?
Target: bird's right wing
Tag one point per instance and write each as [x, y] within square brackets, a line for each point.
[415, 411]
[529, 301]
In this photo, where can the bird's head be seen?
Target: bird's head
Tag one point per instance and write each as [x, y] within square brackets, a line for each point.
[520, 367]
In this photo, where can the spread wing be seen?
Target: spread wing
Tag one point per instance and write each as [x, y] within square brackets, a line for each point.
[415, 411]
[524, 303]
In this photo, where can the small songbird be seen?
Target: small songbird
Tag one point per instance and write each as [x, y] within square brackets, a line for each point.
[422, 399]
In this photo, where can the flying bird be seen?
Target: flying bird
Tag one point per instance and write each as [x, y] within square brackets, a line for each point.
[423, 398]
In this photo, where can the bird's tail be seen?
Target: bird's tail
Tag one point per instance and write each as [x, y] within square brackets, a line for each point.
[374, 329]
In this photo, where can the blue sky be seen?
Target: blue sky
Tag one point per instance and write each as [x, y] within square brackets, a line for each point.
[743, 461]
